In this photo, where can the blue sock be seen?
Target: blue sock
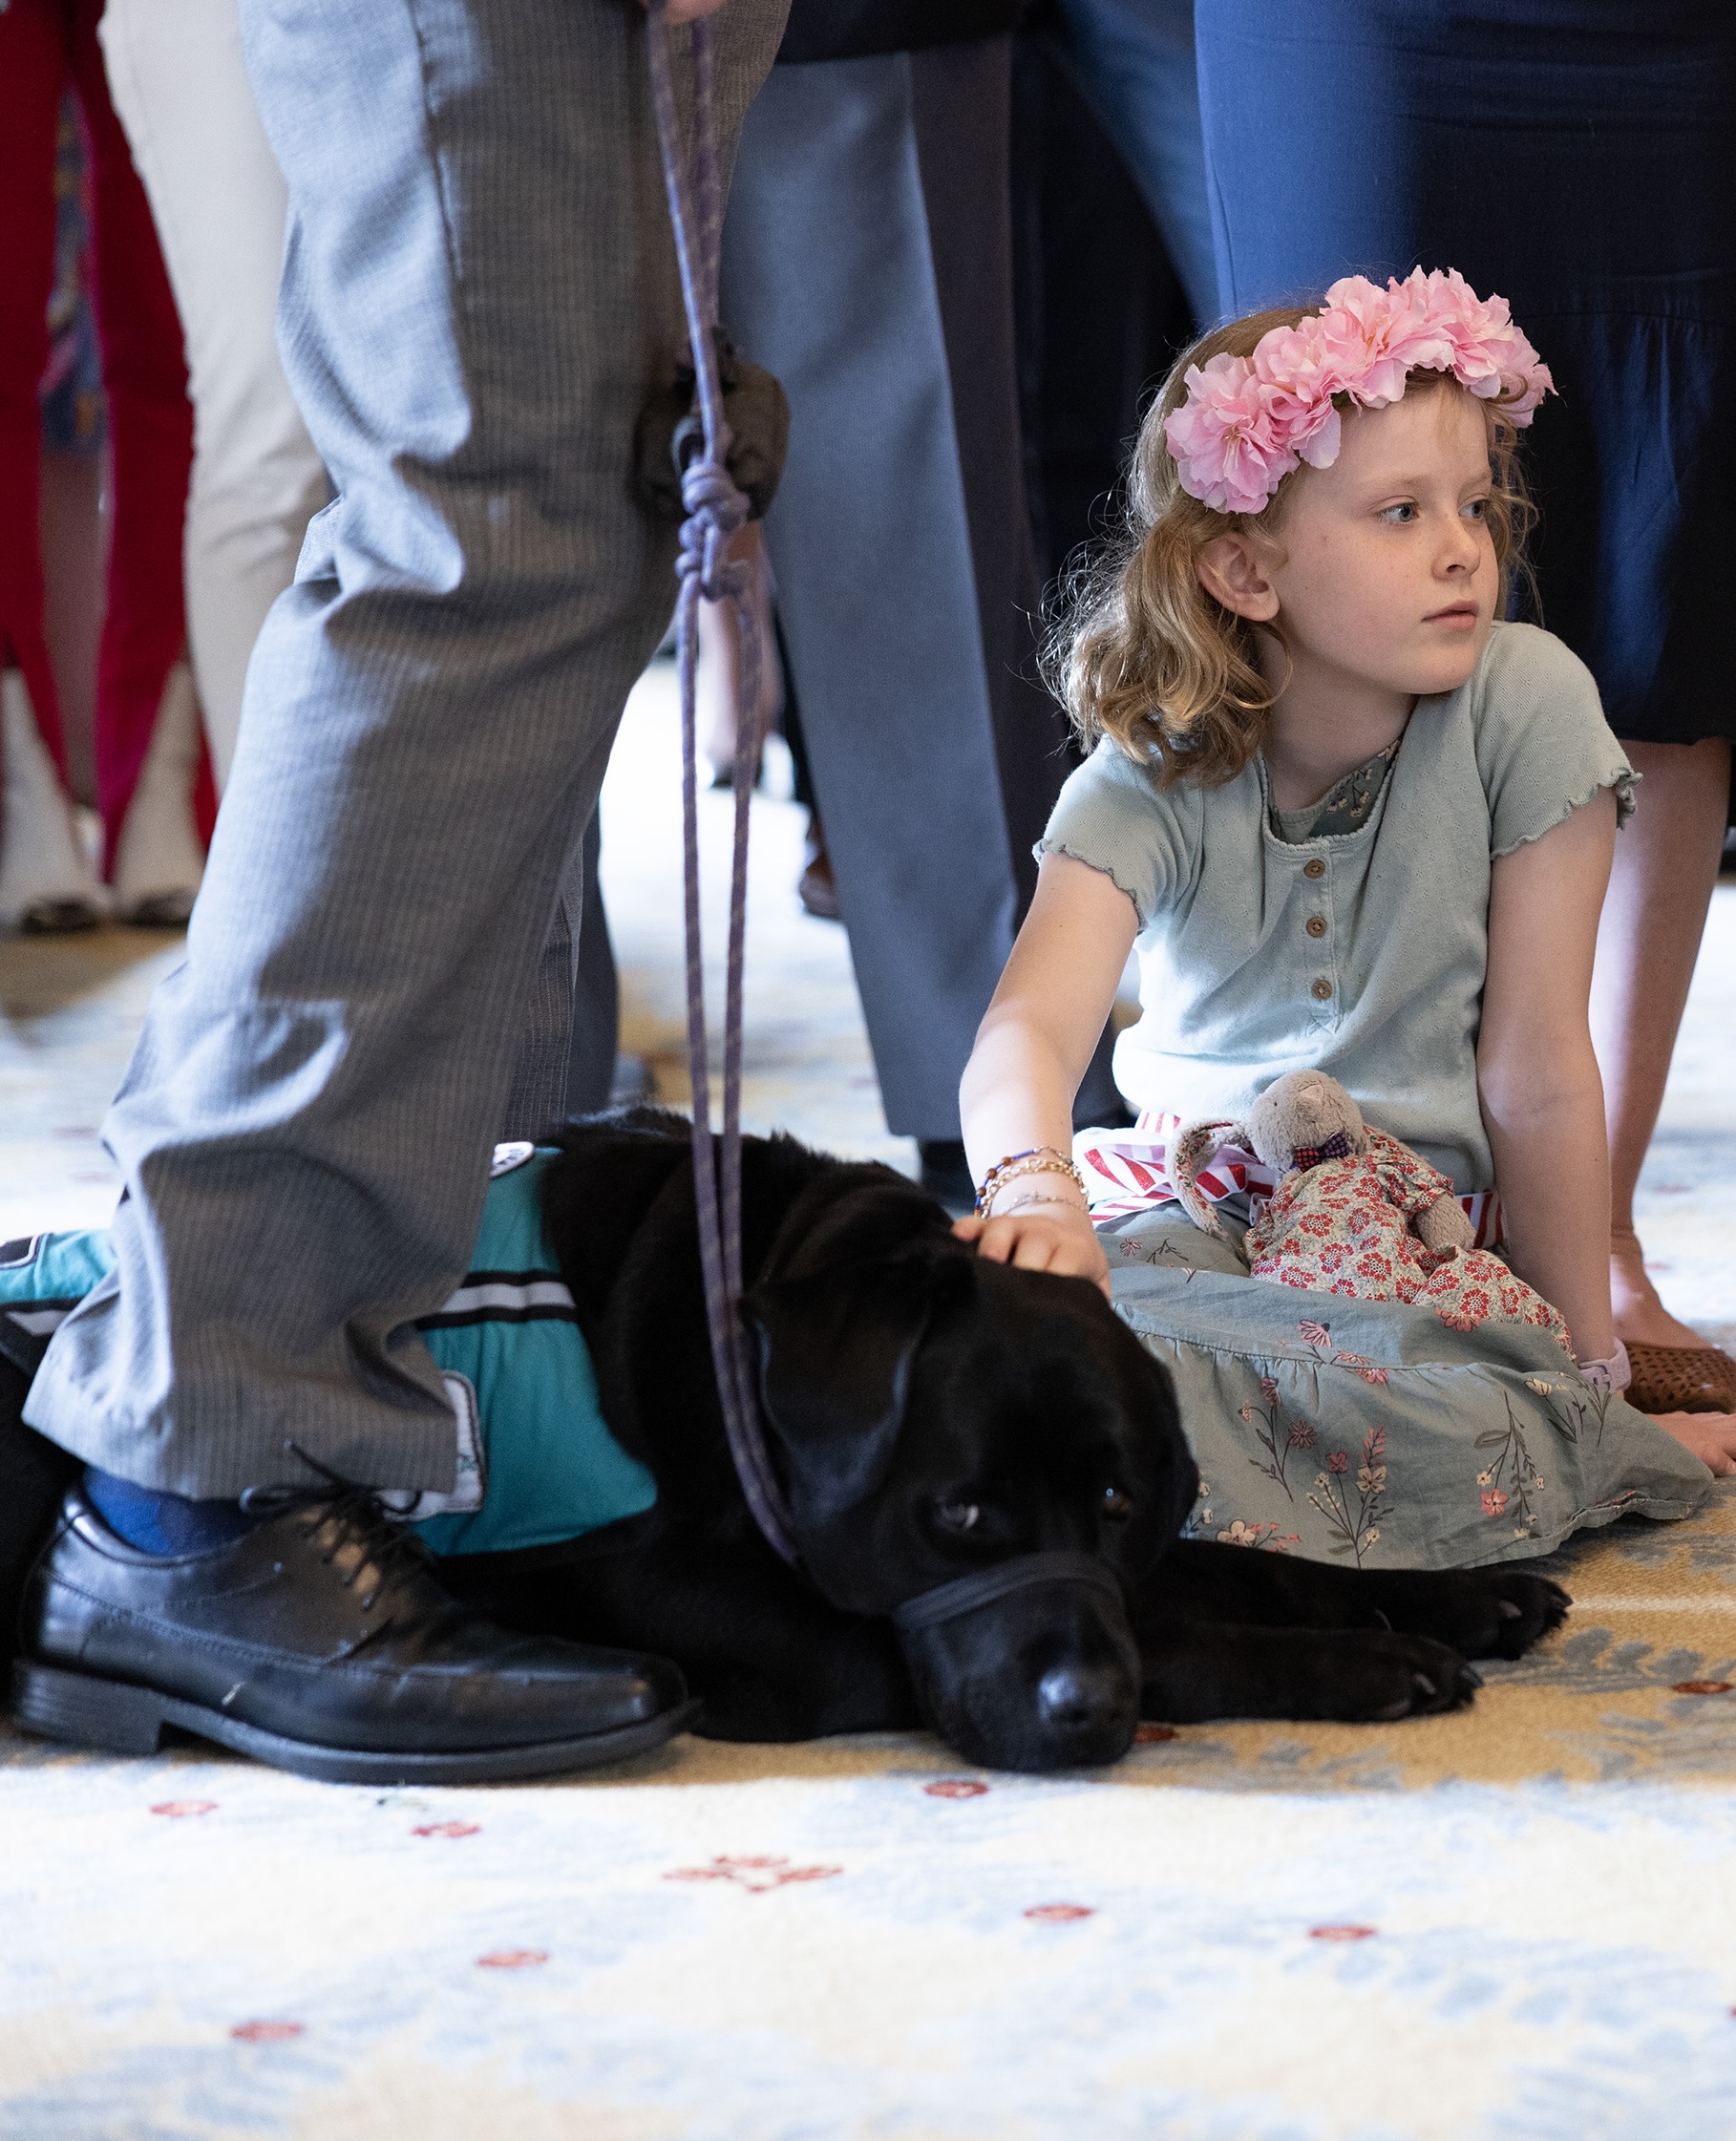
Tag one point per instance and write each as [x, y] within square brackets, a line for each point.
[160, 1523]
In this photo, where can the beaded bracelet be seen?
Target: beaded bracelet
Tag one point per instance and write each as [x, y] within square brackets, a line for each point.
[1035, 1159]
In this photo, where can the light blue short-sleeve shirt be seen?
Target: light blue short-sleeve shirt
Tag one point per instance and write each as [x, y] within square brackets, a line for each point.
[1363, 953]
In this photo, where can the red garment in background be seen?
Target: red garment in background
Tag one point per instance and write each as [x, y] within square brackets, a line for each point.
[43, 45]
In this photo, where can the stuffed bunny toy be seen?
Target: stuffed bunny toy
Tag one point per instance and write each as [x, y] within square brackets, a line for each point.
[1355, 1211]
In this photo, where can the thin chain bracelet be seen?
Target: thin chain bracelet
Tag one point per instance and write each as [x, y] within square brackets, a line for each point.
[1039, 1159]
[1018, 1203]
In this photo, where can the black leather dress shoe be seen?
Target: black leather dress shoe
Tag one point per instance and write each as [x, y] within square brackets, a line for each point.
[320, 1643]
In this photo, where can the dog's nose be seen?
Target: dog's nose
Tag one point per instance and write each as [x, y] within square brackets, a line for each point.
[1082, 1696]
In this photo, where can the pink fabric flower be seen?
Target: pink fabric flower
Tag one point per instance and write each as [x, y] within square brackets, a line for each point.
[1487, 352]
[1301, 377]
[1248, 421]
[1229, 450]
[1374, 337]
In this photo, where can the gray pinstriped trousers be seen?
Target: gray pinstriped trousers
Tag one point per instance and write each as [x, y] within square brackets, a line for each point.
[479, 291]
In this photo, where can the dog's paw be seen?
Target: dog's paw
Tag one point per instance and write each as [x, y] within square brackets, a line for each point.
[1379, 1678]
[1349, 1676]
[1480, 1613]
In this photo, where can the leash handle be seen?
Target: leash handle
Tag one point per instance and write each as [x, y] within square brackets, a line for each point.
[715, 509]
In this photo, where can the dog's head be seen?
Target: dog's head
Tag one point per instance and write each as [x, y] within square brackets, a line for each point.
[936, 1417]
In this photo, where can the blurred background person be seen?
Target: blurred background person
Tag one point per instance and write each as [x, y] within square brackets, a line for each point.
[146, 753]
[73, 515]
[219, 205]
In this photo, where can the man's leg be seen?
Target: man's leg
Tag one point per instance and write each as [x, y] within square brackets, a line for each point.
[480, 289]
[896, 638]
[596, 1037]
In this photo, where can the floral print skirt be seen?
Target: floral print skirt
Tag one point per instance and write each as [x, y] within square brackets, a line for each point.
[1372, 1431]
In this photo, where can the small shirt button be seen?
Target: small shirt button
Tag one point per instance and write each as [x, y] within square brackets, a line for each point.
[1320, 990]
[1314, 867]
[1316, 925]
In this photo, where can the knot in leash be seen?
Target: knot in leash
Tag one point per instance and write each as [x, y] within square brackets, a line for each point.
[717, 507]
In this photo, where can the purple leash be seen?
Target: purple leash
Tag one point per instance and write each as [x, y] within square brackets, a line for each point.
[715, 509]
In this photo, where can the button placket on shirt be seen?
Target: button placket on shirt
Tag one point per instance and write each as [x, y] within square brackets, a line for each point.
[1317, 927]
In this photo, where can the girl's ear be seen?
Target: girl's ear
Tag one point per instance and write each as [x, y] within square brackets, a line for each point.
[1232, 571]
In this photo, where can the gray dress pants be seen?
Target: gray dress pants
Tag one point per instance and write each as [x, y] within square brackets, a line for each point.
[867, 262]
[480, 290]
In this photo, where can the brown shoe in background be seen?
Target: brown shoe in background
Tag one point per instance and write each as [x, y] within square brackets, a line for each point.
[816, 888]
[1680, 1379]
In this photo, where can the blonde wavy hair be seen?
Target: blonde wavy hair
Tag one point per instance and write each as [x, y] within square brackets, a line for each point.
[1141, 653]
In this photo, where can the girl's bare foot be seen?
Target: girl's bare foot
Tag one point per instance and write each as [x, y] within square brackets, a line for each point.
[1640, 1317]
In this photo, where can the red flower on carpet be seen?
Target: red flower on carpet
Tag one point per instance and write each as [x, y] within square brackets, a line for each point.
[1341, 1932]
[757, 1875]
[266, 2032]
[179, 1810]
[512, 1959]
[955, 1788]
[449, 1829]
[1058, 1913]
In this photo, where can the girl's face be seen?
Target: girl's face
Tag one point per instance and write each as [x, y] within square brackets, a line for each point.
[1383, 571]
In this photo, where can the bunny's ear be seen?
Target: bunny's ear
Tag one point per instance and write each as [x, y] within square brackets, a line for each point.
[1191, 1147]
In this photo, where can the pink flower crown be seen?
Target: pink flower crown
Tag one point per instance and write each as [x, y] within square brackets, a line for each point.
[1248, 421]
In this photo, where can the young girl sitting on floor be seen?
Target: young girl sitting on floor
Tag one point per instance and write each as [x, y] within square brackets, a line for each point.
[1351, 820]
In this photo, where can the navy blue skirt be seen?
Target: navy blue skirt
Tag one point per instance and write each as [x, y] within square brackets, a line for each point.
[1578, 156]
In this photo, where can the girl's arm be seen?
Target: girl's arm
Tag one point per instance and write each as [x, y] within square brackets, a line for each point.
[1033, 1048]
[1541, 1093]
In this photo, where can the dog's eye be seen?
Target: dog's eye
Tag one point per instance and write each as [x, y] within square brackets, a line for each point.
[1115, 1503]
[958, 1517]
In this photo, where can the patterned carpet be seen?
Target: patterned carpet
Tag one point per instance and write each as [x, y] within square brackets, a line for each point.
[1513, 1922]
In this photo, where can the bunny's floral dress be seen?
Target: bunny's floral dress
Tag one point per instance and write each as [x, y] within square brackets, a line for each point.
[1345, 1227]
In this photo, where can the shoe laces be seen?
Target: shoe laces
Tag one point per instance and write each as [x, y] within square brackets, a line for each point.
[353, 1510]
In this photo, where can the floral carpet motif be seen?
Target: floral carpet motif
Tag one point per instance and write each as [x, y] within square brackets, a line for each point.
[1513, 1921]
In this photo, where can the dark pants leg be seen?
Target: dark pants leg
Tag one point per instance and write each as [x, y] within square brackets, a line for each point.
[867, 261]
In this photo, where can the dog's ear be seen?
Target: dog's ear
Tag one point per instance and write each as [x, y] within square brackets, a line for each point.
[836, 1349]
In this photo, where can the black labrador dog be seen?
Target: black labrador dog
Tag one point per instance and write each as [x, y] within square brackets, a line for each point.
[933, 1417]
[985, 1473]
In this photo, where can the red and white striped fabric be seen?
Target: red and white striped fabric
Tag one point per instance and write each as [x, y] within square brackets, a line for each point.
[1127, 1171]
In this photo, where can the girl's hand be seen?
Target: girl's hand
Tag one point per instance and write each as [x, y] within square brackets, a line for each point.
[1057, 1238]
[1711, 1436]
